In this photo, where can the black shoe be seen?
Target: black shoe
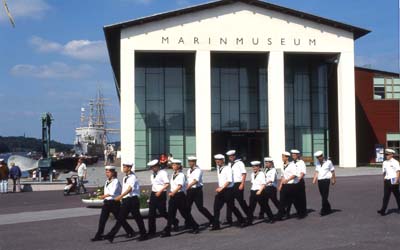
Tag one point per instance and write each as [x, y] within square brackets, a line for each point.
[261, 217]
[228, 222]
[215, 228]
[243, 224]
[130, 235]
[97, 238]
[109, 238]
[270, 221]
[195, 231]
[165, 234]
[176, 226]
[381, 212]
[143, 237]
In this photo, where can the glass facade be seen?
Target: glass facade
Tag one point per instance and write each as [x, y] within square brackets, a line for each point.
[164, 106]
[386, 88]
[306, 104]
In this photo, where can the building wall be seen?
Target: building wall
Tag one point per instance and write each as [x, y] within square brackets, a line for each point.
[375, 118]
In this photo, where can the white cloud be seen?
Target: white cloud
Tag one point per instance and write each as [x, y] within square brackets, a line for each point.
[32, 9]
[85, 50]
[55, 70]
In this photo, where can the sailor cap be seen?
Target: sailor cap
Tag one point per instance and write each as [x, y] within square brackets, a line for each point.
[219, 157]
[295, 151]
[286, 153]
[389, 151]
[231, 152]
[152, 163]
[318, 154]
[176, 161]
[127, 163]
[255, 163]
[268, 159]
[192, 158]
[109, 167]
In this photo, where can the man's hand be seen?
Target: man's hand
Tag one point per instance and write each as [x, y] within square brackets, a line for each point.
[258, 192]
[158, 194]
[102, 197]
[333, 182]
[218, 190]
[171, 194]
[118, 198]
[241, 186]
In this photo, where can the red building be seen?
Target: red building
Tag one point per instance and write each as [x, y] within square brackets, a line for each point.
[377, 109]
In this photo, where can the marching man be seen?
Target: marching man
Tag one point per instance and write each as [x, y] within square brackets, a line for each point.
[391, 176]
[300, 186]
[325, 174]
[224, 193]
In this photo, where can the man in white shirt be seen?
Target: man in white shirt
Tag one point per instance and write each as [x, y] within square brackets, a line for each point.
[130, 203]
[194, 189]
[257, 193]
[224, 192]
[239, 179]
[82, 172]
[325, 174]
[158, 197]
[177, 200]
[271, 178]
[287, 186]
[112, 188]
[391, 176]
[300, 185]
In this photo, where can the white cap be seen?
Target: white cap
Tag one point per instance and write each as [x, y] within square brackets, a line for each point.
[176, 161]
[219, 157]
[127, 163]
[231, 152]
[255, 163]
[109, 167]
[1, 160]
[268, 159]
[389, 151]
[286, 153]
[318, 153]
[192, 158]
[152, 163]
[295, 151]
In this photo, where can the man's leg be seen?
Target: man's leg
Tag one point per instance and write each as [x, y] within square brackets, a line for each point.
[229, 199]
[396, 193]
[152, 213]
[198, 200]
[252, 206]
[218, 205]
[135, 210]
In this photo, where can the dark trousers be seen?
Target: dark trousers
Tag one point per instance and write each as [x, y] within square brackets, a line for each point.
[323, 186]
[262, 202]
[175, 203]
[388, 188]
[226, 196]
[129, 205]
[270, 194]
[239, 196]
[300, 198]
[80, 184]
[157, 204]
[109, 206]
[195, 195]
[288, 195]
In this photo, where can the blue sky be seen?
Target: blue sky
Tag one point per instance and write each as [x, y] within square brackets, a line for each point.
[55, 58]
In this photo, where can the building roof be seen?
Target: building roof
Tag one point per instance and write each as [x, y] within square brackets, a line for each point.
[113, 32]
[378, 71]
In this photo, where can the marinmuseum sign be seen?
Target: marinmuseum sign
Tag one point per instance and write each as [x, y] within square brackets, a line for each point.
[238, 41]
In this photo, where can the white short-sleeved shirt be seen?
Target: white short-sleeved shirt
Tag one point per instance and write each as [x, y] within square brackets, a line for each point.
[301, 167]
[224, 176]
[289, 170]
[178, 179]
[81, 169]
[257, 180]
[131, 181]
[324, 170]
[271, 177]
[112, 188]
[238, 169]
[195, 174]
[390, 167]
[159, 180]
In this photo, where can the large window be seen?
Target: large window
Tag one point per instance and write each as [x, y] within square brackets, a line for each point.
[386, 88]
[306, 104]
[393, 141]
[239, 92]
[164, 102]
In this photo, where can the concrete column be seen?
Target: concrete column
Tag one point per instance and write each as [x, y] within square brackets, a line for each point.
[276, 105]
[203, 108]
[347, 110]
[127, 102]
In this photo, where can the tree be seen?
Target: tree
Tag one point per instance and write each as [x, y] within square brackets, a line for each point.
[8, 13]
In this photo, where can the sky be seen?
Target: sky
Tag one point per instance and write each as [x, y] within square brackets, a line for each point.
[55, 58]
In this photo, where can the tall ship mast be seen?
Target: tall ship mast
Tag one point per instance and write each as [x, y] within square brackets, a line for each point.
[91, 137]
